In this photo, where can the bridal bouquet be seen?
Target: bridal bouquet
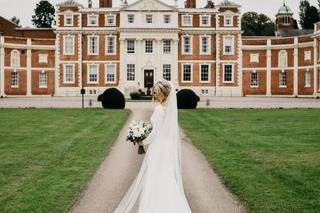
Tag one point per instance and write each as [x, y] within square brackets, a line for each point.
[138, 131]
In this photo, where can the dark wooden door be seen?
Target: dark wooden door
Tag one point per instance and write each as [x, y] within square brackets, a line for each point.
[148, 78]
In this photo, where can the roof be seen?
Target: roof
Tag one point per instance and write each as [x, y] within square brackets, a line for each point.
[284, 10]
[69, 3]
[294, 32]
[227, 3]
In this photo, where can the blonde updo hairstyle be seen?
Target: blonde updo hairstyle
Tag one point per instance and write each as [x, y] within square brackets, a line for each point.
[161, 91]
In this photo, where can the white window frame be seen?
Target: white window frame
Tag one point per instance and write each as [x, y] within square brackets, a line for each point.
[307, 83]
[15, 58]
[43, 72]
[165, 68]
[280, 80]
[166, 16]
[128, 19]
[225, 18]
[256, 73]
[114, 45]
[89, 44]
[209, 72]
[17, 79]
[279, 59]
[96, 17]
[164, 48]
[106, 20]
[88, 73]
[65, 44]
[134, 46]
[145, 46]
[254, 57]
[64, 74]
[307, 55]
[191, 45]
[148, 16]
[209, 20]
[43, 58]
[191, 73]
[68, 16]
[232, 73]
[183, 20]
[208, 45]
[134, 72]
[106, 73]
[224, 45]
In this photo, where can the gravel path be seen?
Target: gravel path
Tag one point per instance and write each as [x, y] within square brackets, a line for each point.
[203, 189]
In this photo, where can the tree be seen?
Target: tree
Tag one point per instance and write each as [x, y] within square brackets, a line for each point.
[308, 15]
[295, 24]
[44, 15]
[16, 20]
[254, 24]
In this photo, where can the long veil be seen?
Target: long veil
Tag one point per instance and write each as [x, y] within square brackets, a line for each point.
[165, 158]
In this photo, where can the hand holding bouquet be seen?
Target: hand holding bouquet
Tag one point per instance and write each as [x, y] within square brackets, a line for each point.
[138, 131]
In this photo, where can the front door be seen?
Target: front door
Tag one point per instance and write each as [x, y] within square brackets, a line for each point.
[148, 78]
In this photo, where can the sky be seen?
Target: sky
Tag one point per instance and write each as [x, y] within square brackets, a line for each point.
[23, 9]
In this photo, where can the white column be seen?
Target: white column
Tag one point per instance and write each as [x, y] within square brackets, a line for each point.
[29, 60]
[268, 67]
[175, 54]
[295, 71]
[2, 66]
[315, 68]
[159, 65]
[122, 64]
[57, 65]
[240, 70]
[139, 70]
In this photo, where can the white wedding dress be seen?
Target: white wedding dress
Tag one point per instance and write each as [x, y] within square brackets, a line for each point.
[158, 186]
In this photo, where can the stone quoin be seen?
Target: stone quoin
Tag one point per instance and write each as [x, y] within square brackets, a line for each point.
[134, 45]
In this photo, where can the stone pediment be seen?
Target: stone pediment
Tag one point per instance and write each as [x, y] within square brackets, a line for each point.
[149, 5]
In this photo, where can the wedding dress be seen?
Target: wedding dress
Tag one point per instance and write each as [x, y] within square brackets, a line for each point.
[158, 186]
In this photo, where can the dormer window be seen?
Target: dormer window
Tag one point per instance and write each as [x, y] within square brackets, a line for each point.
[130, 18]
[205, 20]
[68, 20]
[149, 19]
[110, 20]
[187, 20]
[93, 20]
[228, 20]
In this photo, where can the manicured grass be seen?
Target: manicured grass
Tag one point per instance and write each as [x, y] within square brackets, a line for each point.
[48, 155]
[269, 158]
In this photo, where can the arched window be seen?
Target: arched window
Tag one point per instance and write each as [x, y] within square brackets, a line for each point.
[283, 59]
[15, 58]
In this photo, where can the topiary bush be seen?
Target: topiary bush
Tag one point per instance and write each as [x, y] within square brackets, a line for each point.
[112, 99]
[187, 99]
[135, 95]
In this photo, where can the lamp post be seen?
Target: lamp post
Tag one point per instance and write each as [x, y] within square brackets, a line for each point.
[82, 92]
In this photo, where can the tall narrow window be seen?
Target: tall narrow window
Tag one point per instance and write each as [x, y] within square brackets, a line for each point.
[93, 73]
[205, 20]
[167, 72]
[204, 73]
[93, 45]
[205, 45]
[187, 20]
[166, 46]
[307, 78]
[130, 18]
[149, 19]
[283, 79]
[15, 58]
[166, 19]
[68, 73]
[68, 20]
[187, 72]
[110, 20]
[228, 20]
[14, 79]
[111, 45]
[43, 79]
[110, 72]
[228, 73]
[148, 46]
[187, 48]
[254, 79]
[228, 45]
[131, 69]
[93, 20]
[68, 45]
[283, 59]
[130, 46]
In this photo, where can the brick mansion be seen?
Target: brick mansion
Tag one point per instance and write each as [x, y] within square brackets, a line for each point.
[134, 45]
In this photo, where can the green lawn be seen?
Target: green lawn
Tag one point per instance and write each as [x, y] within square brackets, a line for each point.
[48, 155]
[269, 158]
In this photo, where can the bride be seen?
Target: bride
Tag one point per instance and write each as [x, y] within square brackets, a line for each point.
[158, 186]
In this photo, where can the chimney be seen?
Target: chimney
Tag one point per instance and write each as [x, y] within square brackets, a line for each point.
[105, 3]
[89, 3]
[190, 4]
[210, 4]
